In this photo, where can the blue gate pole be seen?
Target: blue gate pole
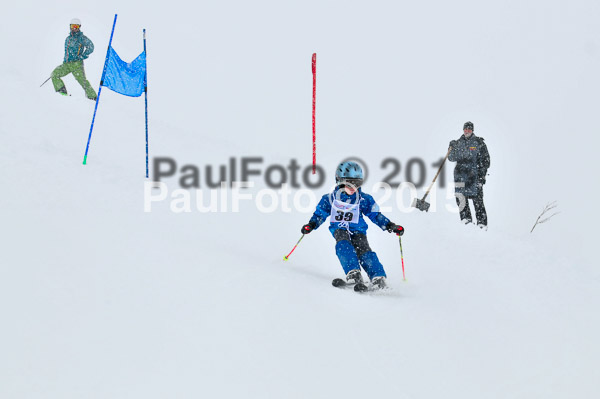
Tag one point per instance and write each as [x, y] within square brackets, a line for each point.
[146, 100]
[87, 147]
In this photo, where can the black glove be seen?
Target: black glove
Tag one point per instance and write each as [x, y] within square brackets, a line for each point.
[307, 228]
[394, 228]
[481, 178]
[453, 143]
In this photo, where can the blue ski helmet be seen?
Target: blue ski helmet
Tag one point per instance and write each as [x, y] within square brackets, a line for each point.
[349, 172]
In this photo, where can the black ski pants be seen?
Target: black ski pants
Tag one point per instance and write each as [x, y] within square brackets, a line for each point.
[358, 241]
[480, 213]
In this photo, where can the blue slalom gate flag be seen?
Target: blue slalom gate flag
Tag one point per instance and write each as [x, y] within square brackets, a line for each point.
[124, 78]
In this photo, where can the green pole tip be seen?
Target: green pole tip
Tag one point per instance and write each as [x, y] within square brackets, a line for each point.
[85, 160]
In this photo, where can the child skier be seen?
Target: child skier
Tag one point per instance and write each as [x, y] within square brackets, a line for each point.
[345, 207]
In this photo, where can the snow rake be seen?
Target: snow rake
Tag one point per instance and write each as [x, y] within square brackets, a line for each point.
[421, 204]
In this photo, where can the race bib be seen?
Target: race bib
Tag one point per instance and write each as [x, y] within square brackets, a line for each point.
[342, 212]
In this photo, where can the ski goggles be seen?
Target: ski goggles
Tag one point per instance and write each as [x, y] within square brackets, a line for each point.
[352, 183]
[74, 26]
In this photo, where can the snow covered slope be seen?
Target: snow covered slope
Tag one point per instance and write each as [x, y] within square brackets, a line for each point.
[100, 299]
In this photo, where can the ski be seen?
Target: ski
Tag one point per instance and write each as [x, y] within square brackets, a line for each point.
[341, 283]
[360, 287]
[364, 288]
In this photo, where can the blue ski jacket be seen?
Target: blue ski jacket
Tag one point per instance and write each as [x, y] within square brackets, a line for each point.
[367, 207]
[77, 47]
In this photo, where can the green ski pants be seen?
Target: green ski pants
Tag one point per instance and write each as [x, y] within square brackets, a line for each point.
[76, 68]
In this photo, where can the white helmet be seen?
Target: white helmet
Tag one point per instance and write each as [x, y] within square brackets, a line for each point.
[75, 21]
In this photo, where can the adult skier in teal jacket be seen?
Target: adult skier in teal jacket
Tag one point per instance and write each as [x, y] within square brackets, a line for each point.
[77, 48]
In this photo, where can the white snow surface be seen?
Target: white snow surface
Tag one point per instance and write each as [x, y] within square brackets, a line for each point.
[100, 299]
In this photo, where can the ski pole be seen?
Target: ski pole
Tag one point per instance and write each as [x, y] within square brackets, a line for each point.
[314, 73]
[46, 81]
[288, 255]
[402, 257]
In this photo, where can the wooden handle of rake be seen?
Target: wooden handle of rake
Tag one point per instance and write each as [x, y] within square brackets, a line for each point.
[437, 174]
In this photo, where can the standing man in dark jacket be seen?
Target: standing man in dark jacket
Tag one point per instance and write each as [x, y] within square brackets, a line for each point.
[472, 162]
[77, 48]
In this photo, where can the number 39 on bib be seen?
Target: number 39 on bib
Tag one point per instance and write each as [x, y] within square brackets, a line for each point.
[344, 212]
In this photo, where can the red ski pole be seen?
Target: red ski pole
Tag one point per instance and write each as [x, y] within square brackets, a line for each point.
[402, 256]
[314, 137]
[288, 255]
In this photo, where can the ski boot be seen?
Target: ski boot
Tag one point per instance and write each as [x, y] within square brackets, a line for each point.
[354, 277]
[379, 282]
[62, 91]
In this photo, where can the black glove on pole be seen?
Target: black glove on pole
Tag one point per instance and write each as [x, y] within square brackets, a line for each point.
[394, 228]
[307, 228]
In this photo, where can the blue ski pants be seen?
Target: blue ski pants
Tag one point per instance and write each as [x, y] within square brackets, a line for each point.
[354, 252]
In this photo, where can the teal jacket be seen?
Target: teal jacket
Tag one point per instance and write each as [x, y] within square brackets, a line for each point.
[77, 47]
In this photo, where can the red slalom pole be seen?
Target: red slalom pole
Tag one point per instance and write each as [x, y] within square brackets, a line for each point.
[288, 255]
[402, 256]
[314, 72]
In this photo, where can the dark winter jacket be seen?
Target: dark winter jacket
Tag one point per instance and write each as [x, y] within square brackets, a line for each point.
[367, 207]
[77, 47]
[472, 162]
